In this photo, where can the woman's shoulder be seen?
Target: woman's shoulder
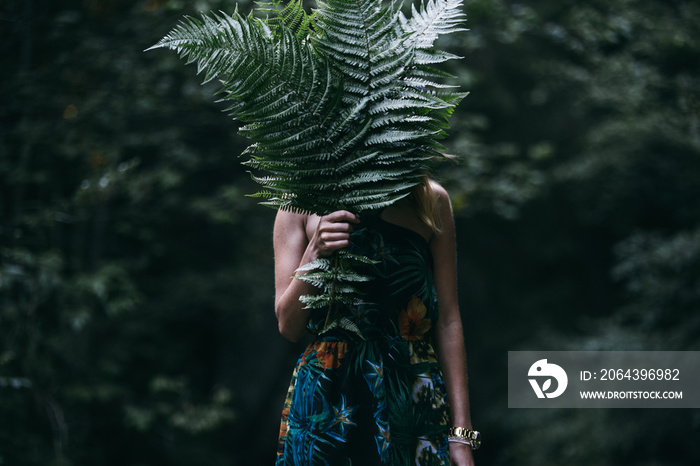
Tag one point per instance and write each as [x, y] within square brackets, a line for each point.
[439, 190]
[441, 204]
[289, 221]
[289, 217]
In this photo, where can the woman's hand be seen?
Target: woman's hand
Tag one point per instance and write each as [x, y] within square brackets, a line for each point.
[332, 233]
[293, 249]
[461, 454]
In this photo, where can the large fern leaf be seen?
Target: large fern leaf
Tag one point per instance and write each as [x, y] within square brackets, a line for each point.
[290, 15]
[376, 49]
[343, 106]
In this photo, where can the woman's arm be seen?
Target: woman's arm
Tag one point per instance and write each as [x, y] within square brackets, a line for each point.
[292, 250]
[450, 339]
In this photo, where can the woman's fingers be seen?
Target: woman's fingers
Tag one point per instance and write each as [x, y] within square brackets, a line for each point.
[329, 236]
[333, 231]
[342, 227]
[339, 222]
[329, 242]
[341, 216]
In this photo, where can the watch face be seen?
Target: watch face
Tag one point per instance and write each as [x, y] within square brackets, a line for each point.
[476, 440]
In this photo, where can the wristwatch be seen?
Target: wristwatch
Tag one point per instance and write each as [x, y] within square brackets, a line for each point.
[463, 435]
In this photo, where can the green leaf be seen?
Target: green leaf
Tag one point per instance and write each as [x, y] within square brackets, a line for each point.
[343, 107]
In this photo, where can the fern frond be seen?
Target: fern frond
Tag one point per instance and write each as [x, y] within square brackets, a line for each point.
[358, 35]
[291, 16]
[343, 107]
[432, 19]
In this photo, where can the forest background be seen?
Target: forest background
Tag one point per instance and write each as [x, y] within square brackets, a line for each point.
[136, 279]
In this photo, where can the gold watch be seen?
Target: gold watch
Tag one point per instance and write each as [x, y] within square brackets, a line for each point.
[468, 436]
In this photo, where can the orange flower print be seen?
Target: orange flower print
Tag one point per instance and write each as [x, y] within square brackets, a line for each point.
[412, 321]
[329, 353]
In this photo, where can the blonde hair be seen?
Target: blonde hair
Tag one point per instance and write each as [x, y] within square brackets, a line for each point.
[426, 200]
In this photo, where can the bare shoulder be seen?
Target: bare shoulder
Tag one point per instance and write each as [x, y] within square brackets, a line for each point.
[442, 196]
[439, 190]
[288, 223]
[286, 218]
[294, 226]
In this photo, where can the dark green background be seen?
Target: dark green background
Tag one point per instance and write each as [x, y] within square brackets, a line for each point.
[136, 280]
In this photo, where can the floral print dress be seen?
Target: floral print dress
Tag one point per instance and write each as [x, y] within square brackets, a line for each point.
[374, 395]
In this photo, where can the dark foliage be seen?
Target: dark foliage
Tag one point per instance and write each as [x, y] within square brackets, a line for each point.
[136, 322]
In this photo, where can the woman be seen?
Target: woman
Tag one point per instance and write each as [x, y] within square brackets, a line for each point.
[370, 391]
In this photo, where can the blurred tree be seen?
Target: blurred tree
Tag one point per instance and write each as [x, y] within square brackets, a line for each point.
[136, 322]
[122, 214]
[579, 209]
